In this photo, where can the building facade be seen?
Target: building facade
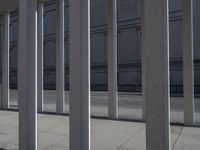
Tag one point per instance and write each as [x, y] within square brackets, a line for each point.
[129, 46]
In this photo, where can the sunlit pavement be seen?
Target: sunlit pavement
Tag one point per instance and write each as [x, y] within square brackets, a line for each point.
[53, 134]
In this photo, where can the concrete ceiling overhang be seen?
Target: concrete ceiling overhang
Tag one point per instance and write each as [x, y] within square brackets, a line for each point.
[8, 5]
[11, 5]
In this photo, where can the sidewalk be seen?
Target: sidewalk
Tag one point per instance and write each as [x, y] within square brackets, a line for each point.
[130, 105]
[53, 134]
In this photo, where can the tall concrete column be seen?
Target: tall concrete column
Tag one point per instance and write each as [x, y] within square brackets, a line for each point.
[155, 51]
[79, 74]
[5, 62]
[143, 68]
[40, 105]
[112, 59]
[188, 68]
[27, 74]
[60, 65]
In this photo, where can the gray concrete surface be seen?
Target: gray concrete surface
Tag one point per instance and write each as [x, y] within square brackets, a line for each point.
[130, 105]
[53, 134]
[112, 58]
[188, 61]
[155, 61]
[27, 74]
[79, 77]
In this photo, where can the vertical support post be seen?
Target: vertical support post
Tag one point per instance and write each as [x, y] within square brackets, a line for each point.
[188, 68]
[40, 57]
[60, 65]
[27, 74]
[155, 51]
[112, 59]
[143, 62]
[79, 74]
[5, 62]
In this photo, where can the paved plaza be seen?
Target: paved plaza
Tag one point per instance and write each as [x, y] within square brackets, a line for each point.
[53, 130]
[53, 134]
[130, 105]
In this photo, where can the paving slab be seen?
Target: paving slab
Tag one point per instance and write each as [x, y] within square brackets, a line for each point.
[189, 139]
[53, 134]
[111, 134]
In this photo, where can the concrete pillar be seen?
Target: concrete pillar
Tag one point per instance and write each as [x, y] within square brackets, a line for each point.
[112, 59]
[143, 62]
[188, 69]
[155, 51]
[5, 62]
[60, 65]
[79, 74]
[40, 57]
[27, 74]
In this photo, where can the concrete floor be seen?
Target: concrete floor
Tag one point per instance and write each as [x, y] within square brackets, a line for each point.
[53, 134]
[130, 105]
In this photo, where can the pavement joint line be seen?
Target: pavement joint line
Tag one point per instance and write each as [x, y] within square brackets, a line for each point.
[132, 136]
[1, 133]
[177, 138]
